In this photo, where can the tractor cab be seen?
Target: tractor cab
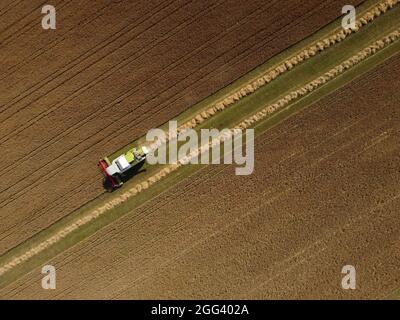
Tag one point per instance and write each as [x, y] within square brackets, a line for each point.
[123, 167]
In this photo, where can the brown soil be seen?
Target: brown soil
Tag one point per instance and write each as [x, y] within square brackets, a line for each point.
[324, 194]
[111, 71]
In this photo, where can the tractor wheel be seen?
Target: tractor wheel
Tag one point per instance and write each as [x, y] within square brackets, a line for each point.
[107, 185]
[118, 179]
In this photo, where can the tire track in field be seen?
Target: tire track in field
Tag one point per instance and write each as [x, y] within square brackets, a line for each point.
[34, 216]
[82, 58]
[96, 244]
[298, 167]
[170, 231]
[82, 251]
[113, 38]
[7, 6]
[188, 185]
[186, 188]
[29, 25]
[305, 110]
[168, 102]
[71, 159]
[354, 60]
[368, 213]
[110, 40]
[17, 67]
[39, 213]
[137, 89]
[54, 205]
[99, 13]
[19, 19]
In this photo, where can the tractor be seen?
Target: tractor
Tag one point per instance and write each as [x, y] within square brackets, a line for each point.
[122, 168]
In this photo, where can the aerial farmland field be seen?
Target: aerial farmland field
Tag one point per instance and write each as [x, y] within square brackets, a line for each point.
[323, 193]
[67, 102]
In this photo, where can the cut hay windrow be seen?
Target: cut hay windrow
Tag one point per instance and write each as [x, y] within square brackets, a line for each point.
[272, 74]
[249, 122]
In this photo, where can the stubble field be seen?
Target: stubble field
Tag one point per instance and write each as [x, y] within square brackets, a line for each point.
[324, 194]
[111, 71]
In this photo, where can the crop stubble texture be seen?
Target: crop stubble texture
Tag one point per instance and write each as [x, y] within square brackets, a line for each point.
[66, 95]
[331, 169]
[311, 86]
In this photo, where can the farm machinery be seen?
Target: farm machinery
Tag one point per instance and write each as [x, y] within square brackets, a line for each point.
[122, 168]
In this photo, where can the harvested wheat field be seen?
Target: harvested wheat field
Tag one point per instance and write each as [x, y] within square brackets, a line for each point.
[111, 71]
[324, 194]
[322, 100]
